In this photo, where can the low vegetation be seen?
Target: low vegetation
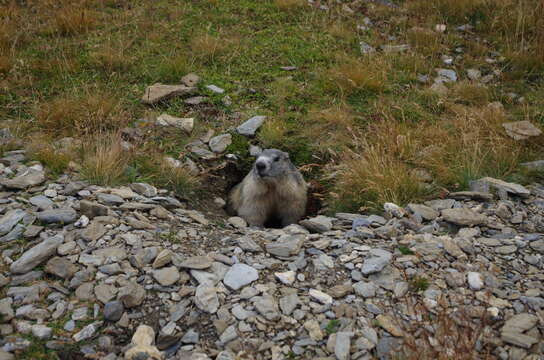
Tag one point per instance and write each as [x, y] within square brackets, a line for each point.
[367, 125]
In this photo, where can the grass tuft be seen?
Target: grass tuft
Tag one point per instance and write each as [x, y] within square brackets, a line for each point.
[73, 19]
[105, 161]
[82, 115]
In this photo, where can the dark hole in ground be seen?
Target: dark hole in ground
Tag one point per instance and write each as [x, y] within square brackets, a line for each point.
[220, 181]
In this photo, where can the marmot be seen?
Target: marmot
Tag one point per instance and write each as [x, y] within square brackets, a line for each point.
[273, 191]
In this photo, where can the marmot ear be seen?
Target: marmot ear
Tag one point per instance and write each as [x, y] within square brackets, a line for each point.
[286, 155]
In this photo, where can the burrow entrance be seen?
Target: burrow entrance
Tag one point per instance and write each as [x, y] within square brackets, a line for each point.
[219, 180]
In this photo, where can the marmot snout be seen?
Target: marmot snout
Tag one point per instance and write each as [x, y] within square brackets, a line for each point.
[274, 189]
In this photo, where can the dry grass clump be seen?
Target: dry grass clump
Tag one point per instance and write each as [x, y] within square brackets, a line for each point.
[207, 47]
[290, 4]
[81, 115]
[342, 30]
[112, 56]
[471, 94]
[331, 130]
[354, 74]
[152, 167]
[456, 11]
[72, 20]
[378, 170]
[273, 132]
[5, 63]
[105, 161]
[426, 41]
[472, 144]
[54, 160]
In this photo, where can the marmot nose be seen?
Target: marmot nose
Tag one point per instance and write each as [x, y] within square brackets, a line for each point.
[260, 166]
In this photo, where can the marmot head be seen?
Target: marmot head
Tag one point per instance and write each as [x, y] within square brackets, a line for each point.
[272, 163]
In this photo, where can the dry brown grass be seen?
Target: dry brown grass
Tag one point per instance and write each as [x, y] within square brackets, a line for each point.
[40, 149]
[207, 47]
[290, 4]
[331, 130]
[471, 94]
[473, 144]
[378, 170]
[81, 115]
[73, 19]
[273, 132]
[112, 56]
[105, 161]
[342, 30]
[354, 74]
[5, 64]
[426, 41]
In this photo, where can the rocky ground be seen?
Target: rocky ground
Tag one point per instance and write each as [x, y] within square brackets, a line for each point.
[132, 272]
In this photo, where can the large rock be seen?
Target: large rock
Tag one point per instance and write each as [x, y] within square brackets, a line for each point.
[463, 217]
[500, 185]
[36, 255]
[92, 209]
[62, 216]
[10, 219]
[318, 224]
[160, 92]
[267, 306]
[31, 177]
[521, 130]
[250, 127]
[240, 275]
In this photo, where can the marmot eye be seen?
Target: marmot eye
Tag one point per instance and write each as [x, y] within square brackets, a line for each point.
[276, 159]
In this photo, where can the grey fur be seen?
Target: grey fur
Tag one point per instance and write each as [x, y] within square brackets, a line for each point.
[274, 188]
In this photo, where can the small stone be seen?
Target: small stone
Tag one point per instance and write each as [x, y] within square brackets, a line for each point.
[287, 277]
[190, 79]
[144, 189]
[41, 201]
[206, 298]
[388, 325]
[113, 310]
[463, 217]
[240, 275]
[289, 303]
[42, 332]
[286, 246]
[237, 222]
[521, 130]
[251, 126]
[395, 48]
[475, 281]
[61, 267]
[215, 89]
[427, 213]
[131, 295]
[92, 209]
[61, 216]
[159, 92]
[318, 224]
[219, 144]
[87, 332]
[185, 124]
[447, 75]
[143, 347]
[266, 306]
[365, 289]
[312, 326]
[163, 258]
[104, 292]
[320, 296]
[342, 346]
[166, 276]
[197, 263]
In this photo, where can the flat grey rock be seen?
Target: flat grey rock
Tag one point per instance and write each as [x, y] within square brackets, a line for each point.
[36, 255]
[240, 275]
[250, 127]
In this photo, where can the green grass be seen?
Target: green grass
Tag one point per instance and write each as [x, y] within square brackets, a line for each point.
[332, 326]
[405, 251]
[419, 284]
[82, 76]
